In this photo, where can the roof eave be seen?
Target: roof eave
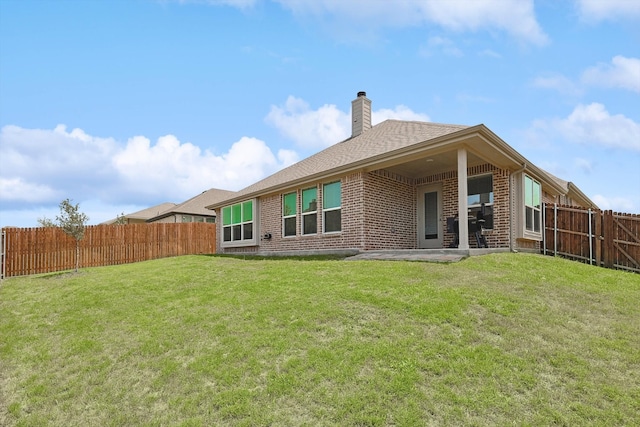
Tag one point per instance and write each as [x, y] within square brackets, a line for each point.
[523, 163]
[351, 167]
[451, 139]
[576, 193]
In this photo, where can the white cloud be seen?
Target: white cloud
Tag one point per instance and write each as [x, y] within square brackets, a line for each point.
[310, 128]
[489, 53]
[584, 165]
[600, 10]
[617, 204]
[327, 125]
[515, 17]
[53, 158]
[182, 169]
[620, 198]
[591, 124]
[441, 44]
[559, 83]
[622, 73]
[18, 190]
[43, 167]
[401, 112]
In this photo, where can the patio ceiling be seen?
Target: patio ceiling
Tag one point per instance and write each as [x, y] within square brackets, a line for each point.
[443, 158]
[433, 164]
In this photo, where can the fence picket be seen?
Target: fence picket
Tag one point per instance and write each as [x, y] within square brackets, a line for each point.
[605, 238]
[48, 249]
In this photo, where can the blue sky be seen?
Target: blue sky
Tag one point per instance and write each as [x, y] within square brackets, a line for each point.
[122, 105]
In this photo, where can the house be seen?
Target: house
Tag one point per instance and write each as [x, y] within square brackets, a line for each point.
[193, 210]
[396, 185]
[143, 215]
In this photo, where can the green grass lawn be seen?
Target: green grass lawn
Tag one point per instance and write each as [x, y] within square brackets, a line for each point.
[504, 339]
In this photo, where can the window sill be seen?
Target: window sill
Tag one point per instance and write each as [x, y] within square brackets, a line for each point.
[531, 235]
[239, 244]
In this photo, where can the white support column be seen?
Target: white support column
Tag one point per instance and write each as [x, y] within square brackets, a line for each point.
[463, 221]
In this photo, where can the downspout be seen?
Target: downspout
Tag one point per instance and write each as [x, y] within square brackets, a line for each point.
[512, 240]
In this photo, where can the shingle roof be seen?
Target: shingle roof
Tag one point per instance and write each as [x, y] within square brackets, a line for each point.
[147, 213]
[197, 204]
[573, 191]
[382, 139]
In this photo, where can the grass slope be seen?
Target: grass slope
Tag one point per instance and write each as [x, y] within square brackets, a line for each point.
[504, 339]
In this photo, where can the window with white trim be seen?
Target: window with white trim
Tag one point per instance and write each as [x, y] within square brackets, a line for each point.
[237, 222]
[310, 211]
[332, 207]
[532, 205]
[480, 198]
[289, 214]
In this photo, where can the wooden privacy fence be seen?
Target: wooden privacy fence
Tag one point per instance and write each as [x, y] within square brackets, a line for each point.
[46, 249]
[603, 238]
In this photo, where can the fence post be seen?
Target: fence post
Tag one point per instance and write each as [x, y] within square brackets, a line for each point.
[590, 241]
[3, 259]
[544, 228]
[555, 229]
[598, 237]
[608, 239]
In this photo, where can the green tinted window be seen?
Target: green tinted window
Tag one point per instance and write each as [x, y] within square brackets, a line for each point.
[310, 200]
[536, 194]
[236, 214]
[247, 211]
[237, 222]
[331, 197]
[226, 215]
[528, 191]
[289, 204]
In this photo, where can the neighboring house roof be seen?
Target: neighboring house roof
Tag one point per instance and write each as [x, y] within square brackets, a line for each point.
[394, 142]
[147, 213]
[195, 205]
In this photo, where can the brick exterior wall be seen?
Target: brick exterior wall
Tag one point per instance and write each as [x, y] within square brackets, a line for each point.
[379, 212]
[270, 221]
[389, 211]
[499, 236]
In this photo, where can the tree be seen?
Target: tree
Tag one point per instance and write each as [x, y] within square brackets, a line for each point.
[46, 222]
[120, 219]
[71, 221]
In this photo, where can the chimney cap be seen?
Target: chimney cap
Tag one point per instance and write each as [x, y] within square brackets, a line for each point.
[362, 93]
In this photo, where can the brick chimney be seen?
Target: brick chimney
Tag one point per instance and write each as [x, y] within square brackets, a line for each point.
[360, 114]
